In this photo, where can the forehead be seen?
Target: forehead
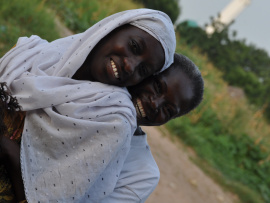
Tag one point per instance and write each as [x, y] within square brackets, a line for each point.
[153, 51]
[179, 88]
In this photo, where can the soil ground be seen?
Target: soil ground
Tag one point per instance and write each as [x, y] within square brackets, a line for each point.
[181, 181]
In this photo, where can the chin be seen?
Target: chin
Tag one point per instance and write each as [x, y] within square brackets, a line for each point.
[145, 123]
[141, 122]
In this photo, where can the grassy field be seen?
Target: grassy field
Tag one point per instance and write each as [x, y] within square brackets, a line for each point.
[24, 18]
[228, 134]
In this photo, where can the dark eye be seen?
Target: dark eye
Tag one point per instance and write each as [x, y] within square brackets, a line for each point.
[135, 46]
[157, 86]
[143, 71]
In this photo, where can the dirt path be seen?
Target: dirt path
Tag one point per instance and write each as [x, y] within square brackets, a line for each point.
[181, 180]
[61, 28]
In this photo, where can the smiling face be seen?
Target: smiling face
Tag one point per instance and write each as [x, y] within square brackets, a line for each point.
[161, 98]
[124, 57]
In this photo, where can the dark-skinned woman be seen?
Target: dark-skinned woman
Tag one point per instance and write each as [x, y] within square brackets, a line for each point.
[76, 126]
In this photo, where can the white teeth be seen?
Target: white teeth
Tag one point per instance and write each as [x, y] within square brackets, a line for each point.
[114, 69]
[139, 108]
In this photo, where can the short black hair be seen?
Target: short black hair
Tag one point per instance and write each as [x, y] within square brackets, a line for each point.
[185, 65]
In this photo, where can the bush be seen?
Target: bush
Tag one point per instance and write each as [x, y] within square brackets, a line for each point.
[24, 18]
[235, 155]
[242, 65]
[170, 7]
[81, 14]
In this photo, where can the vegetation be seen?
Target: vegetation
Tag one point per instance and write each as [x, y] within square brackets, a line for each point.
[81, 14]
[228, 133]
[171, 7]
[25, 18]
[242, 65]
[34, 17]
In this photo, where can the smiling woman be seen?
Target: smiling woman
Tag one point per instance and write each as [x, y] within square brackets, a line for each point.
[77, 131]
[144, 33]
[170, 94]
[124, 57]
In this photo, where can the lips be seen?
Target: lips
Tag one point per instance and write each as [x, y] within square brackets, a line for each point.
[114, 68]
[139, 108]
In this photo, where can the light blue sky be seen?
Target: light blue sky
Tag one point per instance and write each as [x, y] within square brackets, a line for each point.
[253, 23]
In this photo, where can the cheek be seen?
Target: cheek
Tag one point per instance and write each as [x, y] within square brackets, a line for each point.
[132, 81]
[158, 59]
[163, 120]
[160, 118]
[136, 79]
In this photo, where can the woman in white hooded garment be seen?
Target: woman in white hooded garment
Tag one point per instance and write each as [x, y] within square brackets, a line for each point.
[76, 128]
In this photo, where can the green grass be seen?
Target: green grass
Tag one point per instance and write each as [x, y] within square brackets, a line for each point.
[228, 135]
[244, 193]
[24, 18]
[81, 14]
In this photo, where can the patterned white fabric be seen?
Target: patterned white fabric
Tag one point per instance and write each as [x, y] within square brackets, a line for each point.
[66, 147]
[74, 130]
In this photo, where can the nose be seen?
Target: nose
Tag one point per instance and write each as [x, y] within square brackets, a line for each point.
[156, 102]
[130, 64]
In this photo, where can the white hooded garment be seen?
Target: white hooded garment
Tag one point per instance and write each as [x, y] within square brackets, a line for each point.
[77, 133]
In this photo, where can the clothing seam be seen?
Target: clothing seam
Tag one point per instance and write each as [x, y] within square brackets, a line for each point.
[133, 192]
